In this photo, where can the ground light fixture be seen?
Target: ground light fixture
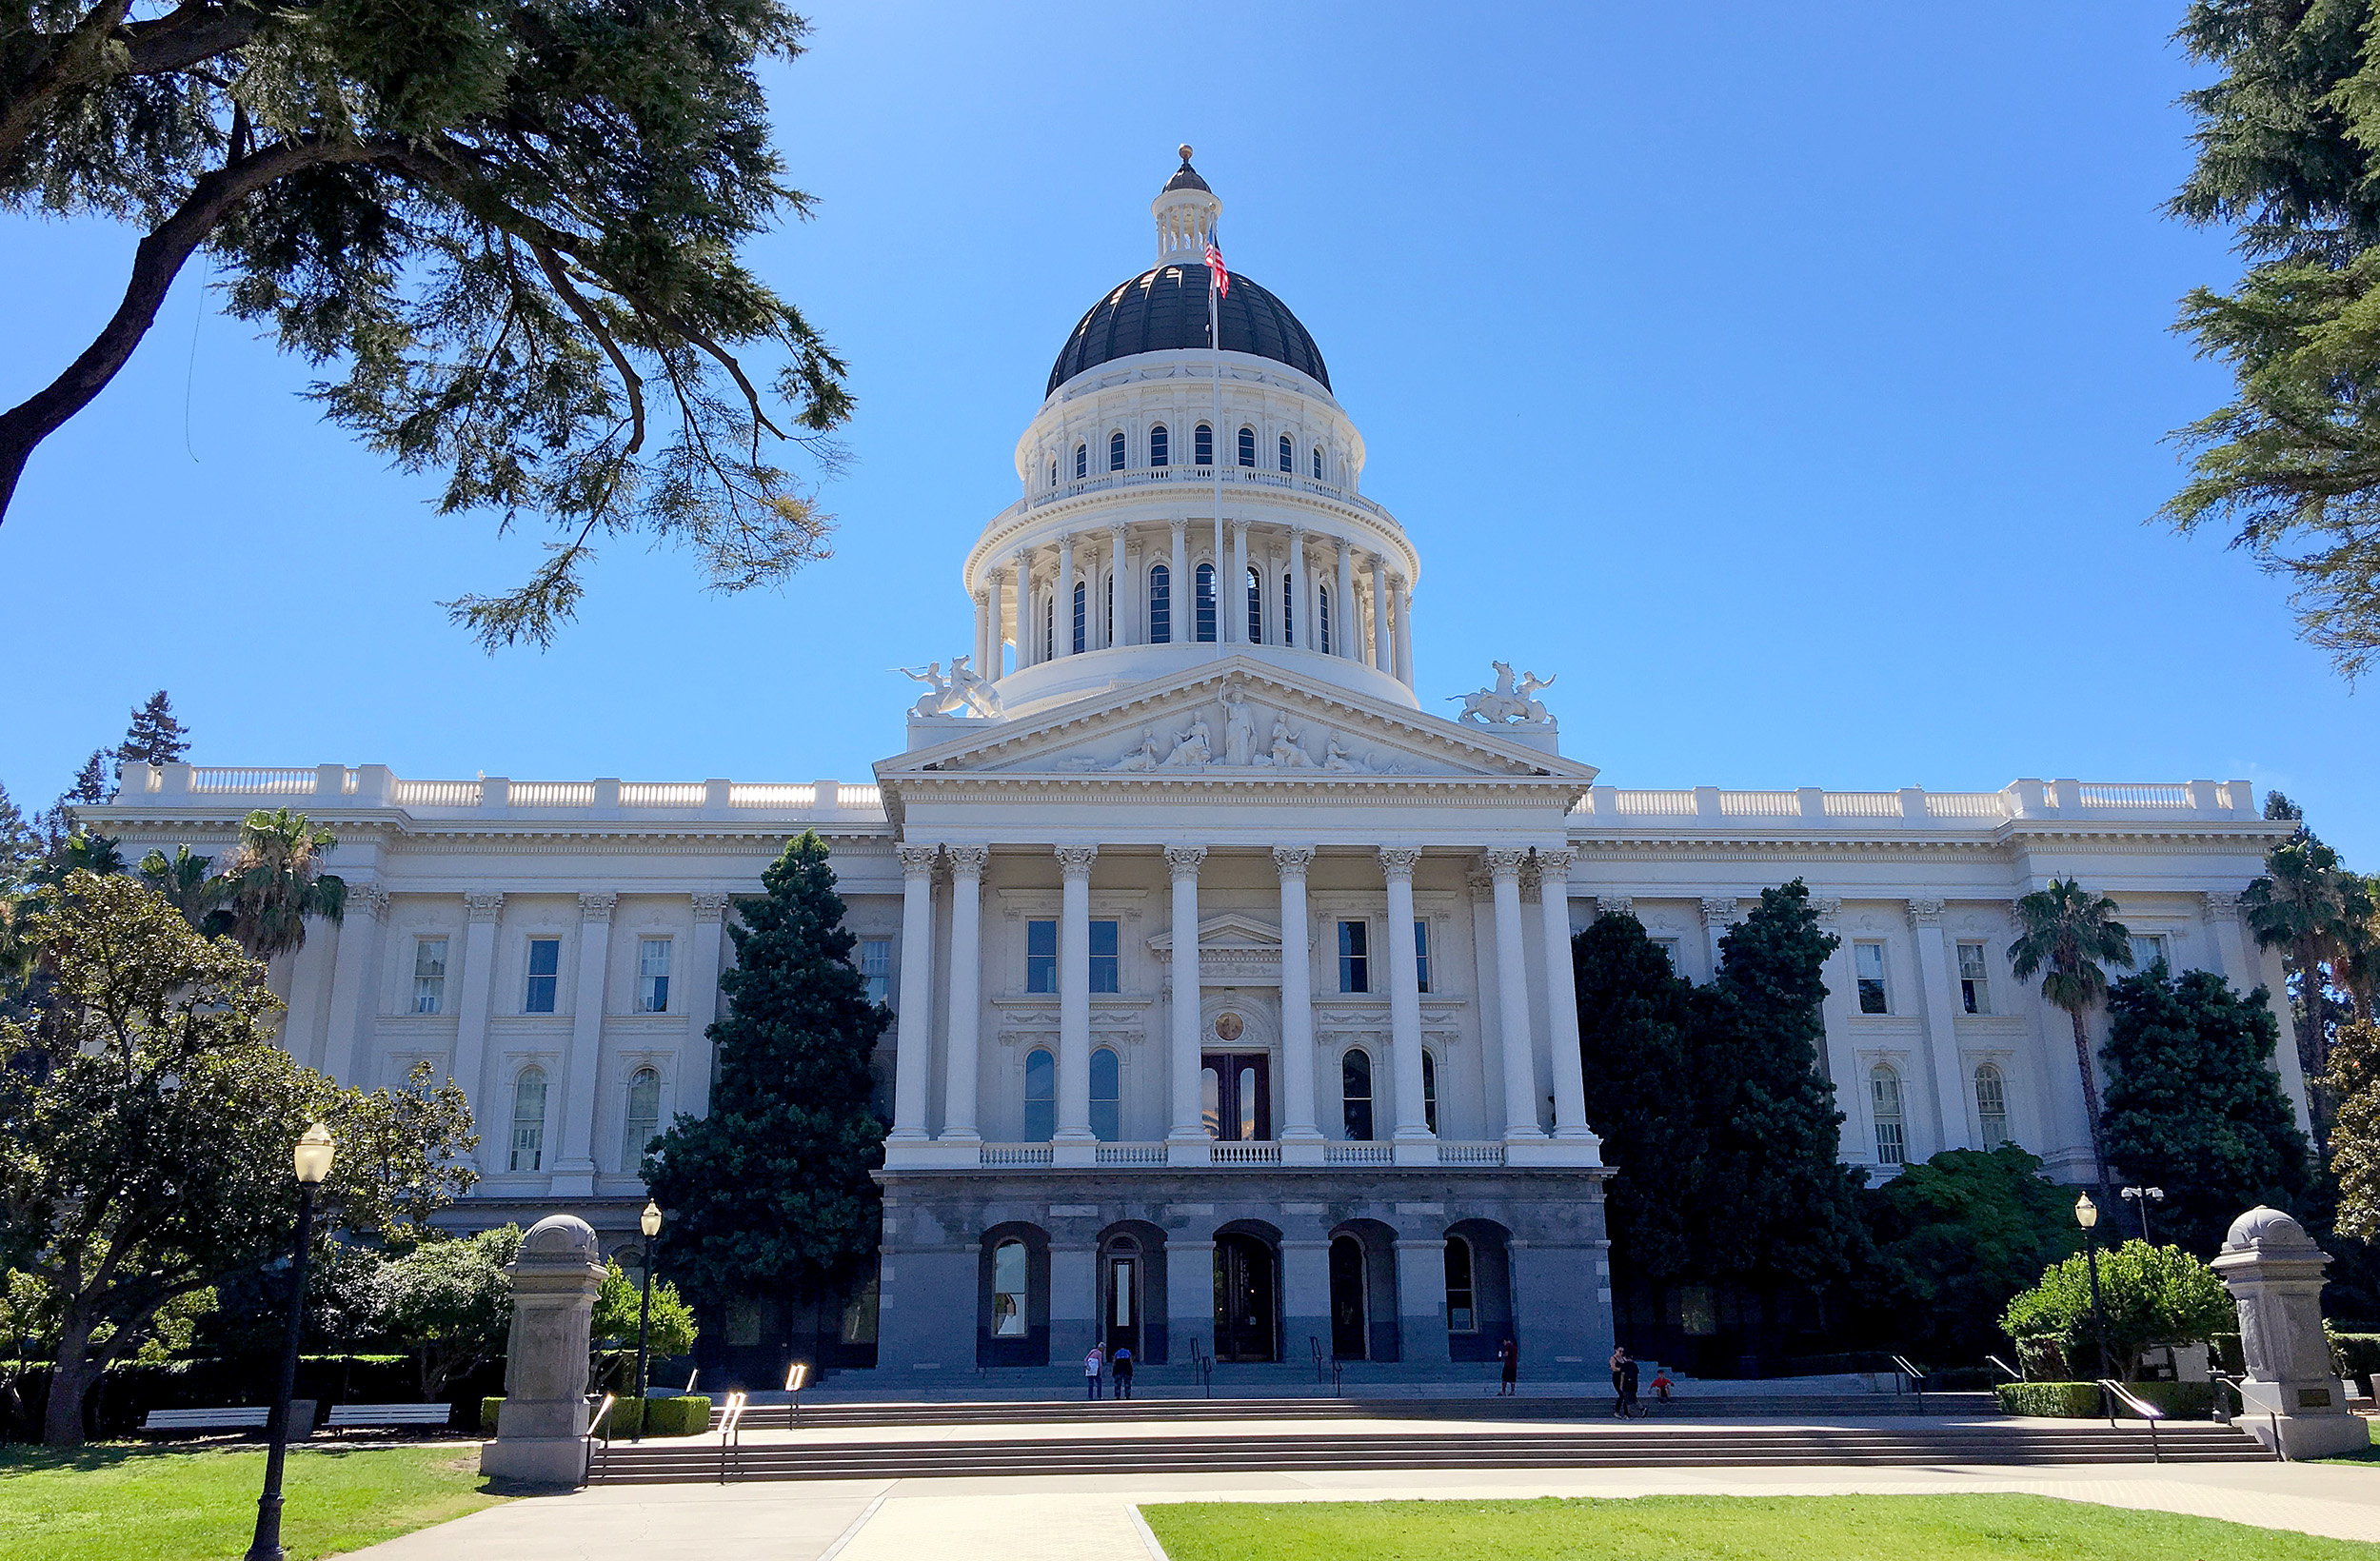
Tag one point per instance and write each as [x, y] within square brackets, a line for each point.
[2087, 1215]
[311, 1161]
[649, 1222]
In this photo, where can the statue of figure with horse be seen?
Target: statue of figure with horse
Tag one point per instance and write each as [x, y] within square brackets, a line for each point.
[1507, 704]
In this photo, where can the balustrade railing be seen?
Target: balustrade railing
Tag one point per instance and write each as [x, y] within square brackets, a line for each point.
[210, 778]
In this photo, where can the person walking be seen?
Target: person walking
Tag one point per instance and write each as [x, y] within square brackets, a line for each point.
[1091, 1364]
[1121, 1369]
[1623, 1381]
[1508, 1353]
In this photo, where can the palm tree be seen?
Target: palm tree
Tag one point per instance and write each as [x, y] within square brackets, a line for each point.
[2302, 906]
[185, 884]
[2068, 931]
[273, 880]
[2359, 944]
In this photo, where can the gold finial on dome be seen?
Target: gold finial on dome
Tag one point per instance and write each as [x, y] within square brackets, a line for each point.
[1185, 154]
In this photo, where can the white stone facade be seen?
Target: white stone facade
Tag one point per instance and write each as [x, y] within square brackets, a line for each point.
[1025, 885]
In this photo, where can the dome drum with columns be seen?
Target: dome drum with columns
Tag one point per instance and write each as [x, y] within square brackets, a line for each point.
[1231, 981]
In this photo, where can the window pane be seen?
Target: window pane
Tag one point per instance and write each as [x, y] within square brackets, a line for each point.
[1287, 462]
[1429, 1092]
[1869, 961]
[2147, 950]
[1249, 1130]
[528, 1120]
[1206, 604]
[1082, 460]
[1256, 606]
[1974, 979]
[1355, 1092]
[1422, 952]
[1041, 1097]
[1317, 463]
[1106, 1109]
[1202, 445]
[1322, 620]
[876, 964]
[1104, 962]
[1289, 608]
[1116, 453]
[429, 975]
[653, 975]
[1159, 454]
[545, 980]
[1355, 960]
[1247, 447]
[1040, 957]
[1161, 605]
[1011, 1303]
[1211, 1101]
[644, 1117]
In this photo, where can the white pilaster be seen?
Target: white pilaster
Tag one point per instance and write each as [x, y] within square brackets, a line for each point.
[1062, 605]
[1239, 581]
[1718, 914]
[470, 1027]
[1186, 1137]
[1347, 625]
[1403, 613]
[354, 986]
[574, 1173]
[913, 1037]
[1299, 626]
[1512, 1000]
[1561, 997]
[1301, 1140]
[1381, 657]
[1941, 1001]
[1116, 601]
[995, 664]
[966, 973]
[702, 1000]
[1181, 593]
[1074, 1139]
[983, 635]
[1024, 610]
[1414, 1139]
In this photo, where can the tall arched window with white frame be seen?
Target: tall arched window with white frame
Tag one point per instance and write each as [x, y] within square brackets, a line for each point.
[1159, 454]
[1107, 1096]
[1206, 604]
[1354, 1095]
[1081, 594]
[528, 1120]
[1884, 1097]
[1081, 462]
[1247, 447]
[1288, 457]
[1160, 604]
[1429, 1090]
[1317, 463]
[1256, 606]
[1116, 450]
[1323, 619]
[1041, 1096]
[1992, 1104]
[642, 1123]
[1289, 607]
[1202, 444]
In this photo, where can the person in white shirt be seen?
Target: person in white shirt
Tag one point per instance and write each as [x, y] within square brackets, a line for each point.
[1091, 1364]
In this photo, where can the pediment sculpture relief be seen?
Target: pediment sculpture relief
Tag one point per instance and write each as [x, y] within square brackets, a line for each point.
[1193, 746]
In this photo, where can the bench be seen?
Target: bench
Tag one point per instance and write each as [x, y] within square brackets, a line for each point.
[248, 1418]
[346, 1415]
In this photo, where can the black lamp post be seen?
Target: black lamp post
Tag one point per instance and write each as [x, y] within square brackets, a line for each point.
[2087, 1215]
[312, 1161]
[649, 1222]
[2141, 1197]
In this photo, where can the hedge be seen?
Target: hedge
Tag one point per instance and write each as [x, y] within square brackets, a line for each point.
[2081, 1400]
[682, 1416]
[128, 1390]
[2355, 1355]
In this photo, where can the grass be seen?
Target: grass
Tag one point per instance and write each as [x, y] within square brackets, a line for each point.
[2368, 1455]
[116, 1502]
[1719, 1529]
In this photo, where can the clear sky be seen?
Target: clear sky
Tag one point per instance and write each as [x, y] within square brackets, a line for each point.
[1791, 381]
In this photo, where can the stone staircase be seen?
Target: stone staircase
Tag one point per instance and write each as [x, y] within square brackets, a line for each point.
[1803, 1407]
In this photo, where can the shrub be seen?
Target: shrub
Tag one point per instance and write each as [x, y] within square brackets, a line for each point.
[683, 1416]
[2355, 1355]
[2153, 1295]
[2228, 1357]
[2082, 1401]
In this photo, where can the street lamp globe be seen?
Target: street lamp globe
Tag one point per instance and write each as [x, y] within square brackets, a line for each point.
[313, 1155]
[2086, 1212]
[649, 1221]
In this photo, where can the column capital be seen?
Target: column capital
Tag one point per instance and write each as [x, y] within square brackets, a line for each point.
[711, 907]
[482, 908]
[1481, 884]
[1020, 558]
[2222, 905]
[1615, 905]
[968, 860]
[1074, 861]
[1291, 861]
[1826, 907]
[1555, 863]
[1116, 529]
[1397, 862]
[1345, 550]
[1925, 913]
[1719, 912]
[1507, 864]
[1180, 525]
[597, 907]
[917, 860]
[1183, 860]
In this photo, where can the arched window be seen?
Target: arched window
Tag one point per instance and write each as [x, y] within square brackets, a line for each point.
[1462, 1316]
[1041, 1096]
[1107, 610]
[1012, 1300]
[643, 1120]
[1322, 620]
[1992, 1104]
[1161, 605]
[1247, 447]
[1317, 463]
[1289, 608]
[1107, 1096]
[528, 1120]
[1081, 462]
[1049, 625]
[1081, 594]
[1052, 471]
[1206, 604]
[1116, 450]
[1159, 454]
[1429, 1091]
[1256, 606]
[1884, 1090]
[1288, 460]
[1354, 1094]
[1202, 444]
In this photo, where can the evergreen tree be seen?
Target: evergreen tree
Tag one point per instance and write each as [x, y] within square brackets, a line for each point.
[1956, 1238]
[2353, 1082]
[155, 737]
[92, 782]
[20, 842]
[1632, 1010]
[770, 1192]
[2193, 1105]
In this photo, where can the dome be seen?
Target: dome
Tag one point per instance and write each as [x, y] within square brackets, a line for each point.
[1164, 310]
[2265, 1227]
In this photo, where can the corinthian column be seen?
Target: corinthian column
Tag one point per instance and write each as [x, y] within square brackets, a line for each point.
[1405, 1008]
[1512, 1000]
[1187, 1135]
[1561, 997]
[1023, 562]
[913, 1032]
[1074, 1002]
[966, 973]
[1347, 631]
[1062, 611]
[1297, 1006]
[574, 1173]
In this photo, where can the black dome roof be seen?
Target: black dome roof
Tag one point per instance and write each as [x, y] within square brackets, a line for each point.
[1164, 309]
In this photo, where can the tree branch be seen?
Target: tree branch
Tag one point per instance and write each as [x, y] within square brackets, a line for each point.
[71, 59]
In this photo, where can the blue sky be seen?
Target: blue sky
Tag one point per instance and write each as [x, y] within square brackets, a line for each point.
[1792, 382]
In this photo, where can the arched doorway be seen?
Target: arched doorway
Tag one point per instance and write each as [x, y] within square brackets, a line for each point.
[1247, 1296]
[1349, 1339]
[1123, 1295]
[1363, 1291]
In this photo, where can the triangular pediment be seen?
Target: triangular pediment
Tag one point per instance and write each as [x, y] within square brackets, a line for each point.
[1227, 931]
[1236, 720]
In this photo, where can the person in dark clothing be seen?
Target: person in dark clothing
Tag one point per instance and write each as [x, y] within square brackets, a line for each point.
[1508, 1353]
[1120, 1370]
[1623, 1381]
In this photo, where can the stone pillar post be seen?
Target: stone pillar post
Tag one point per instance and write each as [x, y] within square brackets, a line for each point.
[1512, 999]
[1347, 631]
[964, 1023]
[355, 987]
[1024, 563]
[470, 1029]
[1414, 1142]
[541, 1429]
[1717, 916]
[2273, 1271]
[1189, 1296]
[1936, 987]
[1381, 657]
[1062, 605]
[913, 1033]
[1182, 595]
[702, 1000]
[1076, 1143]
[982, 632]
[1481, 886]
[1561, 998]
[574, 1173]
[1404, 632]
[1301, 1140]
[1421, 1300]
[1305, 1294]
[1074, 1312]
[1186, 1141]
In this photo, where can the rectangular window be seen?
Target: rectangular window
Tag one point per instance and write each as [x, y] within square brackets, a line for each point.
[1104, 962]
[545, 976]
[1040, 957]
[429, 975]
[1974, 979]
[1992, 1105]
[876, 967]
[1422, 952]
[1868, 964]
[1355, 958]
[2148, 948]
[1669, 950]
[652, 974]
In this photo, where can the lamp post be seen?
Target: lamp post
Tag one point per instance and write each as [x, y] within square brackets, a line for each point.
[2087, 1215]
[649, 1222]
[311, 1160]
[2141, 1197]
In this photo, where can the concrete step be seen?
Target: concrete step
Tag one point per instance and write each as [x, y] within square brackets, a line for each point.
[1634, 1445]
[1484, 1406]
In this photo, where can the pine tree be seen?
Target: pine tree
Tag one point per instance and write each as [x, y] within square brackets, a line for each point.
[2194, 1107]
[20, 842]
[1632, 1011]
[155, 737]
[92, 782]
[770, 1194]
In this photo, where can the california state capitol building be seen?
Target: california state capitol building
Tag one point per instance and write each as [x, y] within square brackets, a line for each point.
[1230, 968]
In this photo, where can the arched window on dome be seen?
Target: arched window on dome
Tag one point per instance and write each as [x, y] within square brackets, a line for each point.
[1256, 606]
[1288, 460]
[1159, 454]
[1081, 596]
[1202, 445]
[1323, 619]
[1049, 625]
[1206, 604]
[1081, 462]
[1289, 608]
[1161, 605]
[1052, 471]
[1247, 447]
[1317, 463]
[1884, 1093]
[1116, 450]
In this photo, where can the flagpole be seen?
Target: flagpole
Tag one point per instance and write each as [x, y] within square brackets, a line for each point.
[1215, 337]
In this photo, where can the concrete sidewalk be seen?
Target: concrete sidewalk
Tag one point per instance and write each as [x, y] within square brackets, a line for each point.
[1090, 1517]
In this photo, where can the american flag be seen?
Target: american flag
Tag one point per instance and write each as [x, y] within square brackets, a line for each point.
[1215, 266]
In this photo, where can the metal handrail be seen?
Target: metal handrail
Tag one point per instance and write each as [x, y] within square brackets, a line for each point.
[1204, 1364]
[2013, 1374]
[1315, 1343]
[595, 1459]
[2224, 1379]
[731, 1435]
[2116, 1393]
[797, 1378]
[1916, 1378]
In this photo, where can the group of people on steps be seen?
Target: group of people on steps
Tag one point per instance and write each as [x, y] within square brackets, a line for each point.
[1115, 1370]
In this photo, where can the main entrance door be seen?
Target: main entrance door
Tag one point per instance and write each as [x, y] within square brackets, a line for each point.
[1244, 1294]
[1120, 1293]
[1350, 1340]
[1239, 1095]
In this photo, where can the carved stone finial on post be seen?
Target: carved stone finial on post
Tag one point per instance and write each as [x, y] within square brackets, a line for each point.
[541, 1434]
[2273, 1271]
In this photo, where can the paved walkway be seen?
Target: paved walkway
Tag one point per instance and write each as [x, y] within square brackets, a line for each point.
[1073, 1517]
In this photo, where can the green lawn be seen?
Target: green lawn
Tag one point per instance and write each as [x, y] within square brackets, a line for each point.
[116, 1502]
[1718, 1528]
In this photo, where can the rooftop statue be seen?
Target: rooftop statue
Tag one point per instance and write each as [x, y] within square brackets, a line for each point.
[1507, 704]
